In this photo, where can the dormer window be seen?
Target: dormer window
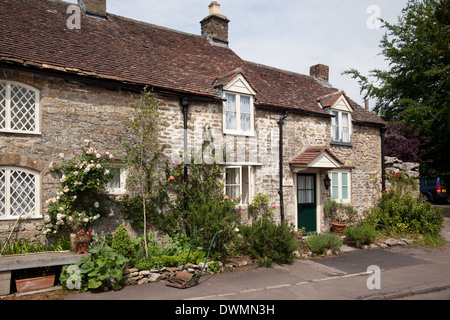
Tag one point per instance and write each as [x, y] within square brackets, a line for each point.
[341, 126]
[341, 110]
[238, 114]
[238, 107]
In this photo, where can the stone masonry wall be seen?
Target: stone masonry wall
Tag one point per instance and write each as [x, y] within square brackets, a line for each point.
[73, 111]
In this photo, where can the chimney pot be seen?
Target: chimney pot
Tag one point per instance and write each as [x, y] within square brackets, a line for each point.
[320, 72]
[214, 8]
[94, 7]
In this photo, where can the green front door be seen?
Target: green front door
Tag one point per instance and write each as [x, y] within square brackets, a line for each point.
[306, 197]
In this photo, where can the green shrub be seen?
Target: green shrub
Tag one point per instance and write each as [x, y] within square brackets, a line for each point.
[102, 268]
[122, 243]
[320, 243]
[361, 235]
[402, 213]
[270, 243]
[195, 257]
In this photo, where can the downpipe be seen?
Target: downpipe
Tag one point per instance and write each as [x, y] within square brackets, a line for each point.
[280, 191]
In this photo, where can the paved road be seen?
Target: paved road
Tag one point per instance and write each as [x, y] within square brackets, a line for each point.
[409, 272]
[404, 271]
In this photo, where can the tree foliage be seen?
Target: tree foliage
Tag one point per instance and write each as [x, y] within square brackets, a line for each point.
[414, 90]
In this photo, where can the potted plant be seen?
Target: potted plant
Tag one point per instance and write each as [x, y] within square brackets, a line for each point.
[80, 241]
[299, 233]
[339, 215]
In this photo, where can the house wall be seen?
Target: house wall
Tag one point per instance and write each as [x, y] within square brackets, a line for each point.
[73, 111]
[364, 158]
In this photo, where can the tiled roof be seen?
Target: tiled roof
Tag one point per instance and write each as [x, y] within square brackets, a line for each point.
[311, 154]
[34, 33]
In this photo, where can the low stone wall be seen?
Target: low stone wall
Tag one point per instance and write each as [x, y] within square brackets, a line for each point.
[394, 165]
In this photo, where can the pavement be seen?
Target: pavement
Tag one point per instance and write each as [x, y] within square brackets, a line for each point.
[357, 274]
[399, 271]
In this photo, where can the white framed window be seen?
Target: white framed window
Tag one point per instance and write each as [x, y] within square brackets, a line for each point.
[19, 193]
[239, 183]
[341, 127]
[238, 114]
[19, 108]
[340, 186]
[118, 184]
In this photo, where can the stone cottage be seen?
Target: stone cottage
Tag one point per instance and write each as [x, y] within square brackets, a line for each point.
[67, 73]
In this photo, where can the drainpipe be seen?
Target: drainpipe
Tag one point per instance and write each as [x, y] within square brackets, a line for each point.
[383, 165]
[185, 102]
[280, 191]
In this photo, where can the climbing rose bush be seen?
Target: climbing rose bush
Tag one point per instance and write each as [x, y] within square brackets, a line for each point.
[77, 203]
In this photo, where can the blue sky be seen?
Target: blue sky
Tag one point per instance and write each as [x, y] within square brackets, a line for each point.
[287, 34]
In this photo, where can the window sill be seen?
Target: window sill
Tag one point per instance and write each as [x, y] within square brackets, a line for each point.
[20, 133]
[239, 134]
[339, 143]
[15, 218]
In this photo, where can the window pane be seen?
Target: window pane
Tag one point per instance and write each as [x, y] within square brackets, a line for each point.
[233, 192]
[2, 193]
[345, 179]
[2, 106]
[115, 182]
[335, 119]
[231, 102]
[335, 179]
[22, 193]
[335, 132]
[345, 135]
[344, 193]
[335, 193]
[23, 108]
[232, 176]
[231, 120]
[344, 119]
[245, 122]
[245, 104]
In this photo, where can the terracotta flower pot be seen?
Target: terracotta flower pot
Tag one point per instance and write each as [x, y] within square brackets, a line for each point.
[32, 284]
[79, 245]
[338, 228]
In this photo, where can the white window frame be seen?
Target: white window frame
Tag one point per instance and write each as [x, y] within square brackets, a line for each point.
[338, 116]
[7, 193]
[7, 121]
[340, 186]
[122, 189]
[251, 182]
[238, 130]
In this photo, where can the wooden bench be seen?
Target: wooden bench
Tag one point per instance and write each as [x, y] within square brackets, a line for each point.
[33, 260]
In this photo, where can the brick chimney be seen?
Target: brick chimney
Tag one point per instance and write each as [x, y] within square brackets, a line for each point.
[93, 7]
[321, 72]
[215, 26]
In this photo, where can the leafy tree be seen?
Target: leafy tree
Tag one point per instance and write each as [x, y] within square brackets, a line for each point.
[143, 150]
[403, 143]
[414, 91]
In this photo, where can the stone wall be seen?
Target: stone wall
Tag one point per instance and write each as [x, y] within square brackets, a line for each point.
[73, 111]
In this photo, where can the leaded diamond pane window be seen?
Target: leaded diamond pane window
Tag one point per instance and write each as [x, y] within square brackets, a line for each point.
[19, 193]
[19, 108]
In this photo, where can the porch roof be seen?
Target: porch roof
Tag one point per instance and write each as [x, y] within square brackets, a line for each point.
[317, 157]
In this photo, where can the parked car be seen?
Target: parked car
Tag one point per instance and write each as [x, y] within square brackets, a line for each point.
[434, 190]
